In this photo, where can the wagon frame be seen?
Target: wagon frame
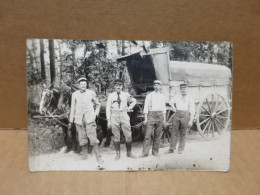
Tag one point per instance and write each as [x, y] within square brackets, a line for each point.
[208, 84]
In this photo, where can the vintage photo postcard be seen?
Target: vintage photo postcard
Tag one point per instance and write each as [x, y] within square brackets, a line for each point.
[119, 105]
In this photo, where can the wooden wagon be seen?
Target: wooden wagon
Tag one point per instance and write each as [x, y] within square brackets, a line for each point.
[208, 84]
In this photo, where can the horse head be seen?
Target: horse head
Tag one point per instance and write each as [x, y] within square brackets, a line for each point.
[64, 98]
[48, 101]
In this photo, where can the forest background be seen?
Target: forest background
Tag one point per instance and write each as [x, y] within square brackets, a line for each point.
[51, 62]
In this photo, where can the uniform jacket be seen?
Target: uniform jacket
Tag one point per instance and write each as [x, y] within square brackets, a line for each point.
[84, 104]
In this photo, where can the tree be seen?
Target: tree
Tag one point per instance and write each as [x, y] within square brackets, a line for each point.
[61, 62]
[123, 48]
[52, 60]
[43, 74]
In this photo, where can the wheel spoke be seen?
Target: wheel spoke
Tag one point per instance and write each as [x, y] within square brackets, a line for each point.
[221, 111]
[222, 103]
[205, 109]
[213, 130]
[222, 117]
[209, 128]
[220, 123]
[167, 114]
[212, 103]
[170, 119]
[168, 136]
[216, 105]
[217, 128]
[205, 126]
[204, 121]
[206, 115]
[208, 104]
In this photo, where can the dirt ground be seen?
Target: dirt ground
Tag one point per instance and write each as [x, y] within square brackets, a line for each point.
[199, 154]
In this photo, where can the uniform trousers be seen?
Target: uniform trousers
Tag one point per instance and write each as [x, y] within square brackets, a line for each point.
[87, 131]
[121, 120]
[179, 129]
[154, 127]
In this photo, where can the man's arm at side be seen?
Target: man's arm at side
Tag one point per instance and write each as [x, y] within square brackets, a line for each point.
[192, 108]
[172, 104]
[132, 101]
[96, 103]
[146, 109]
[72, 109]
[108, 112]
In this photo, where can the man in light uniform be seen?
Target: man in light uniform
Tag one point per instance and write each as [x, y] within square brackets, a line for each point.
[117, 117]
[84, 109]
[184, 108]
[154, 113]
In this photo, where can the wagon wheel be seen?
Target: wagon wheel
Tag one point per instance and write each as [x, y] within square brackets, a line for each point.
[167, 130]
[136, 119]
[213, 116]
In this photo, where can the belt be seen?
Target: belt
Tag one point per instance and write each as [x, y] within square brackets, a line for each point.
[155, 111]
[182, 111]
[118, 111]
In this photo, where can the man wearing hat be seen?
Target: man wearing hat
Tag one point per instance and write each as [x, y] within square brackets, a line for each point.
[154, 113]
[184, 108]
[84, 109]
[117, 117]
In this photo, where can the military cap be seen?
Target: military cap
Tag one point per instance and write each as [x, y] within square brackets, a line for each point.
[157, 82]
[82, 79]
[118, 81]
[183, 85]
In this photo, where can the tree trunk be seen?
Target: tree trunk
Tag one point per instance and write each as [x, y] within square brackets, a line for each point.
[43, 74]
[73, 64]
[105, 50]
[61, 63]
[35, 56]
[118, 47]
[52, 60]
[123, 48]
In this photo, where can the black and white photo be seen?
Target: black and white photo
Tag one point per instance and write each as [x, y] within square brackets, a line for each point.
[129, 105]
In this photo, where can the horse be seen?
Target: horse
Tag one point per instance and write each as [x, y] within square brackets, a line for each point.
[56, 101]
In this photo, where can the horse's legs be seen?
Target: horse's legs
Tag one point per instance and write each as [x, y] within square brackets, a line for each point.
[74, 140]
[67, 138]
[108, 137]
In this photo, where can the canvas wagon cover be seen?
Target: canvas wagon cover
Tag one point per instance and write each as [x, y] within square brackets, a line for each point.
[199, 74]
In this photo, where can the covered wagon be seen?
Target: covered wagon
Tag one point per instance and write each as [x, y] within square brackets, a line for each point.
[208, 84]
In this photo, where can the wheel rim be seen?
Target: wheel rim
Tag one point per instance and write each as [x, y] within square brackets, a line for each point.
[213, 116]
[167, 131]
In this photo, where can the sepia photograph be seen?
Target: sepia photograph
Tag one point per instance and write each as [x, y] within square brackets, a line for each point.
[129, 105]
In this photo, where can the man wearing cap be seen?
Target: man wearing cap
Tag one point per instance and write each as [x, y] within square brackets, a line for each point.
[84, 109]
[184, 108]
[117, 117]
[154, 113]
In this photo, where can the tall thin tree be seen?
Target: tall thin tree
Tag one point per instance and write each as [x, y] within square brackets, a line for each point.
[61, 62]
[43, 74]
[123, 47]
[52, 60]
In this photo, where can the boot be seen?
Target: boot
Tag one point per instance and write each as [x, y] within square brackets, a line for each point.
[90, 149]
[143, 155]
[98, 156]
[169, 151]
[84, 152]
[128, 150]
[117, 146]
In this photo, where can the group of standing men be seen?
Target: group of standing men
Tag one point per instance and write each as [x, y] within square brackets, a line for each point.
[85, 107]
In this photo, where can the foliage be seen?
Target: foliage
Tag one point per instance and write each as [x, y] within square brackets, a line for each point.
[205, 52]
[92, 59]
[44, 136]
